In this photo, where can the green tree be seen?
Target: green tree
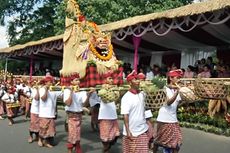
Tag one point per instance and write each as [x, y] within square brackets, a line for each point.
[28, 20]
[37, 19]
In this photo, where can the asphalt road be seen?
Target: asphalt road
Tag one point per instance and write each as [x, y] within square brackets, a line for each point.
[13, 139]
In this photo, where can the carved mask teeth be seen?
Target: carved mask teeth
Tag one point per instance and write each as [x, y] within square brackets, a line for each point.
[105, 53]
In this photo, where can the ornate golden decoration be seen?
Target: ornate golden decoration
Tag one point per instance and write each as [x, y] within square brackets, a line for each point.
[96, 53]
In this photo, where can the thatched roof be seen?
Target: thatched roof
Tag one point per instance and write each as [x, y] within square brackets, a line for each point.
[188, 10]
[31, 43]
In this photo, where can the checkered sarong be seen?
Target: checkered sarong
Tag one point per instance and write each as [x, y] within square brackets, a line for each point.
[34, 123]
[74, 128]
[47, 127]
[168, 135]
[138, 144]
[109, 130]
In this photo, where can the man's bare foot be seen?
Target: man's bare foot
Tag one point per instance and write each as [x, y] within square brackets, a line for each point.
[48, 145]
[10, 123]
[1, 118]
[30, 139]
[40, 144]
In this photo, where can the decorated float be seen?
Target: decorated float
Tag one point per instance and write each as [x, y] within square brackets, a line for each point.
[88, 53]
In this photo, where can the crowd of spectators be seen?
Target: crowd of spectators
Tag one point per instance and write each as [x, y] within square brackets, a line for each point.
[204, 68]
[37, 71]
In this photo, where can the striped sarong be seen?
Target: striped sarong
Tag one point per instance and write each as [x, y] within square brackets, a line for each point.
[47, 127]
[34, 123]
[138, 144]
[168, 135]
[109, 130]
[74, 127]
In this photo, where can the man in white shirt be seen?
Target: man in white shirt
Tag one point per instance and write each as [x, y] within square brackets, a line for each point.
[9, 99]
[47, 113]
[108, 124]
[135, 127]
[34, 112]
[27, 93]
[168, 133]
[19, 90]
[75, 101]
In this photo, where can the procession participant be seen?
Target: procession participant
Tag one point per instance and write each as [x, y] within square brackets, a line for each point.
[2, 92]
[75, 101]
[108, 124]
[135, 126]
[94, 102]
[47, 112]
[9, 99]
[19, 89]
[34, 112]
[27, 93]
[168, 130]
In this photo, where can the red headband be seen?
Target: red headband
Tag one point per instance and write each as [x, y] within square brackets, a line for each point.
[141, 76]
[131, 76]
[48, 78]
[175, 73]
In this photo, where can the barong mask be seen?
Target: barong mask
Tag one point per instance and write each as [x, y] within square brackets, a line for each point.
[100, 45]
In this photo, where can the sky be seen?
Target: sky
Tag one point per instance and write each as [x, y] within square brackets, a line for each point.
[3, 37]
